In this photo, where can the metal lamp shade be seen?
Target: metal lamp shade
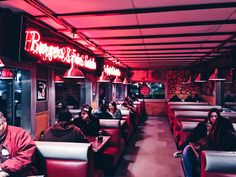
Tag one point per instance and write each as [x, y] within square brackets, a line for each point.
[103, 78]
[117, 80]
[73, 73]
[216, 77]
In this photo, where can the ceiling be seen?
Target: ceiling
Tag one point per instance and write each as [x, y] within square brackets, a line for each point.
[141, 34]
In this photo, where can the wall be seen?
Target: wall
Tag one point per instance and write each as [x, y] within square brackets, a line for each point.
[155, 107]
[174, 86]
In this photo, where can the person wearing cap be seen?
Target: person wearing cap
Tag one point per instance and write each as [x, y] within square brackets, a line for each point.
[102, 113]
[17, 151]
[64, 131]
[87, 122]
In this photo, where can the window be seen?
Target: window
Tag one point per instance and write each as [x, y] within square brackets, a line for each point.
[157, 90]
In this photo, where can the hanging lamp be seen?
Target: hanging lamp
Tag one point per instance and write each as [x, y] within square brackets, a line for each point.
[58, 79]
[216, 76]
[199, 78]
[73, 72]
[126, 81]
[6, 74]
[103, 78]
[117, 80]
[1, 63]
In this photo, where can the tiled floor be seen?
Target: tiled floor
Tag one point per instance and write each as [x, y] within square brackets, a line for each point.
[149, 152]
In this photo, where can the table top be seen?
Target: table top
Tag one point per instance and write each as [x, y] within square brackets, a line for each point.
[96, 144]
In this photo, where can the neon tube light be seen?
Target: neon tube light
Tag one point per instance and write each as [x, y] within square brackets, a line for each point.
[34, 45]
[111, 70]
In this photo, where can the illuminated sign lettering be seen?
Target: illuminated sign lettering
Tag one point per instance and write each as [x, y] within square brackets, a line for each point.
[111, 70]
[34, 45]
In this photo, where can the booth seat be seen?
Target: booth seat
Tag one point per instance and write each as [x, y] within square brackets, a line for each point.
[185, 128]
[109, 157]
[175, 108]
[218, 164]
[171, 104]
[62, 159]
[129, 127]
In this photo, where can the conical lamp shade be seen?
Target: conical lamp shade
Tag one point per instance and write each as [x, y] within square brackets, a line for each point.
[117, 80]
[6, 74]
[126, 82]
[215, 76]
[1, 63]
[58, 79]
[189, 80]
[73, 73]
[199, 78]
[103, 78]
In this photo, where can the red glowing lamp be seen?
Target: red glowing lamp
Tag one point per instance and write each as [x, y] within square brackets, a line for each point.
[117, 80]
[1, 63]
[6, 74]
[103, 78]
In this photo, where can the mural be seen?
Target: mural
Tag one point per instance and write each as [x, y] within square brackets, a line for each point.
[175, 78]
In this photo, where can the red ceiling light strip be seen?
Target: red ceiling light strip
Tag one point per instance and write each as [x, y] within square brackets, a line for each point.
[111, 70]
[48, 52]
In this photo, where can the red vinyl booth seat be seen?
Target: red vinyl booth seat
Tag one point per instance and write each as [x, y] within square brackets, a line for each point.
[218, 164]
[109, 157]
[62, 159]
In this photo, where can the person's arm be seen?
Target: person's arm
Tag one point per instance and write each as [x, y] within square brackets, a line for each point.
[25, 153]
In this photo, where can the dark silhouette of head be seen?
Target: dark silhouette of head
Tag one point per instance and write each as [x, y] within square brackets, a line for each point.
[64, 116]
[103, 107]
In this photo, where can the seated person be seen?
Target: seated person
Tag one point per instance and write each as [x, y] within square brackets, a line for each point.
[88, 123]
[60, 107]
[221, 136]
[200, 131]
[64, 131]
[116, 113]
[17, 151]
[102, 112]
[129, 104]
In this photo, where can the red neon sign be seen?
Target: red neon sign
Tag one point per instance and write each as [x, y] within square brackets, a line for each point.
[111, 70]
[52, 53]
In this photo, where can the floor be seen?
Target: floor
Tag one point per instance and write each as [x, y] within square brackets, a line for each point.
[149, 152]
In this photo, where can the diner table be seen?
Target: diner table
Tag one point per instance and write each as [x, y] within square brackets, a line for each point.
[98, 145]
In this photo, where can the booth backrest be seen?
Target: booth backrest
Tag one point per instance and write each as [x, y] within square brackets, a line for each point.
[218, 164]
[187, 103]
[112, 128]
[191, 114]
[62, 159]
[194, 107]
[125, 112]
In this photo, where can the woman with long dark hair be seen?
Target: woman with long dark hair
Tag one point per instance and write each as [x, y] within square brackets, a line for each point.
[114, 111]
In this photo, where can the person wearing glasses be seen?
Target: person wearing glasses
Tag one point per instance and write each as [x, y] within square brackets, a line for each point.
[17, 151]
[87, 122]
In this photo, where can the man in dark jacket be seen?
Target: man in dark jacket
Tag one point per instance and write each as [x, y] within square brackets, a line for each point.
[88, 123]
[102, 112]
[64, 131]
[17, 151]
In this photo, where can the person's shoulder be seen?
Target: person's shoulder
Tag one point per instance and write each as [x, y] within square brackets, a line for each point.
[15, 129]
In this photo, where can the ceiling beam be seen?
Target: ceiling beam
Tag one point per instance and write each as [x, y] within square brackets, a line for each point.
[164, 49]
[161, 25]
[167, 35]
[149, 10]
[166, 53]
[166, 43]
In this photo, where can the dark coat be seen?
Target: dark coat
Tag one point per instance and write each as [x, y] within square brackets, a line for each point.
[89, 127]
[64, 132]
